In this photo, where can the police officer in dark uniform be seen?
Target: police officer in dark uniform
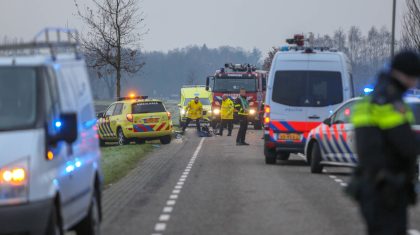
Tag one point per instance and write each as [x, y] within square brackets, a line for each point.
[383, 183]
[242, 107]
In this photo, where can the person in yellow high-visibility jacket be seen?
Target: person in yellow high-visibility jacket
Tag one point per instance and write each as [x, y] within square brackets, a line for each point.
[226, 114]
[195, 112]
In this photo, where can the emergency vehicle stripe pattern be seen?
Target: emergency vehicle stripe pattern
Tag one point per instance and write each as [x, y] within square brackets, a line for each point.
[303, 128]
[151, 128]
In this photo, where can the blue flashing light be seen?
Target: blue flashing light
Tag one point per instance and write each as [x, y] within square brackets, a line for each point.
[368, 90]
[58, 124]
[69, 168]
[284, 48]
[78, 164]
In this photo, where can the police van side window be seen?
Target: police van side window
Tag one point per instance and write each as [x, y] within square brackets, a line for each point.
[110, 111]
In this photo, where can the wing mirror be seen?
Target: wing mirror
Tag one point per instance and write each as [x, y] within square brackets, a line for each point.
[207, 83]
[67, 129]
[99, 115]
[327, 121]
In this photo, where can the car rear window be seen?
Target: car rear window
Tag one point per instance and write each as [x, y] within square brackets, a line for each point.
[416, 110]
[148, 107]
[308, 88]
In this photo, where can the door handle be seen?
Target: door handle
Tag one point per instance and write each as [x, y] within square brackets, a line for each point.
[314, 117]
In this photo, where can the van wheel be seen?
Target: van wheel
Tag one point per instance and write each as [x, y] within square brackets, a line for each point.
[165, 139]
[270, 156]
[257, 125]
[284, 156]
[316, 166]
[91, 224]
[54, 226]
[122, 140]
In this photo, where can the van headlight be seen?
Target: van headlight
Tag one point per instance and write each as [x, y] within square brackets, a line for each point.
[216, 111]
[183, 111]
[14, 183]
[252, 112]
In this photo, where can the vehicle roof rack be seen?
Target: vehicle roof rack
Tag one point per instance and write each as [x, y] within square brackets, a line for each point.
[49, 45]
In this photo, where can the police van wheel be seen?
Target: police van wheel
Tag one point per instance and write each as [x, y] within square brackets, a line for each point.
[284, 156]
[91, 224]
[165, 139]
[54, 226]
[270, 156]
[121, 138]
[316, 166]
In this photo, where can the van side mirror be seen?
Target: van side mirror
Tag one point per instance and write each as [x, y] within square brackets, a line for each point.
[100, 115]
[208, 83]
[327, 121]
[67, 129]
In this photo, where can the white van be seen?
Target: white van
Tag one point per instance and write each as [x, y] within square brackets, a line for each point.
[305, 86]
[50, 177]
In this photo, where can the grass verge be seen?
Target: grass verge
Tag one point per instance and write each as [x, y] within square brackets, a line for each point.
[117, 161]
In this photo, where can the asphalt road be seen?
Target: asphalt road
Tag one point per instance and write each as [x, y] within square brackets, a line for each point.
[211, 186]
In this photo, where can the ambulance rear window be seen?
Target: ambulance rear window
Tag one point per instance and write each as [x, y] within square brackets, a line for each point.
[148, 107]
[308, 88]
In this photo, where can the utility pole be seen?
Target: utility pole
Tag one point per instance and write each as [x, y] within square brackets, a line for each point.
[393, 28]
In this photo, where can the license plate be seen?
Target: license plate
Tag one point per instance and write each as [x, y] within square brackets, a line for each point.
[151, 120]
[289, 136]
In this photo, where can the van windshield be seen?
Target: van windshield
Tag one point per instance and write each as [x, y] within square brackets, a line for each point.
[17, 98]
[203, 101]
[307, 88]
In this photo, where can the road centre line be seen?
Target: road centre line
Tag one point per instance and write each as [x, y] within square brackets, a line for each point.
[160, 226]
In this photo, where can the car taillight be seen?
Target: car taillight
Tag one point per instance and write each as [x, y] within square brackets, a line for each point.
[130, 117]
[169, 115]
[267, 112]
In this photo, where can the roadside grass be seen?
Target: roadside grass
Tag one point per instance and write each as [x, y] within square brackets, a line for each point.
[118, 161]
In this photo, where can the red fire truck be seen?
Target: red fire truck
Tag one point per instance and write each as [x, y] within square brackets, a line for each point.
[229, 80]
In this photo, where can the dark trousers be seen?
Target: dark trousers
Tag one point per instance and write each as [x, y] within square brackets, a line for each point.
[243, 126]
[226, 123]
[384, 214]
[187, 122]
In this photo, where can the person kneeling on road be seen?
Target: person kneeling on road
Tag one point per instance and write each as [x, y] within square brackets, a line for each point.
[194, 110]
[226, 115]
[242, 107]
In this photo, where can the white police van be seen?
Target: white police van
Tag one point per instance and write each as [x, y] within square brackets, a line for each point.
[50, 177]
[305, 86]
[332, 143]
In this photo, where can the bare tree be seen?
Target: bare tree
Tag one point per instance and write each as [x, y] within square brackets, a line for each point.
[116, 28]
[354, 44]
[269, 59]
[192, 78]
[411, 25]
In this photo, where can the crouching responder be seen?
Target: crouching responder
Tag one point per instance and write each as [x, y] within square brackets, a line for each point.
[194, 112]
[383, 183]
[226, 115]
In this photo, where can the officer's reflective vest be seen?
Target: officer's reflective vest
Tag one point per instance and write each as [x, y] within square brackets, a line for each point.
[227, 109]
[386, 116]
[242, 106]
[194, 110]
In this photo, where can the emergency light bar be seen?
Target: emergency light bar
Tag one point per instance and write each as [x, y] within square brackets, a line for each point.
[239, 67]
[297, 39]
[132, 98]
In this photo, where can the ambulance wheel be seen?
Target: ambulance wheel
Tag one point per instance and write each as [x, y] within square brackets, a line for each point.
[257, 125]
[316, 166]
[140, 141]
[122, 140]
[165, 139]
[270, 156]
[284, 156]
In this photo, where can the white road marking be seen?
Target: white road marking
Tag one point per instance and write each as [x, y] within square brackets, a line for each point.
[165, 216]
[160, 227]
[413, 232]
[344, 184]
[338, 180]
[333, 176]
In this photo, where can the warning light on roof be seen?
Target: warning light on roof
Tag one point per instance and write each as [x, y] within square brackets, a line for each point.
[132, 95]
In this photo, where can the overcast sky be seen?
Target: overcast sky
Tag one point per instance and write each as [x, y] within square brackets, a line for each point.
[244, 23]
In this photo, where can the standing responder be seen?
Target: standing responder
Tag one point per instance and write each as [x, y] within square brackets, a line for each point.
[242, 107]
[226, 115]
[383, 183]
[195, 112]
